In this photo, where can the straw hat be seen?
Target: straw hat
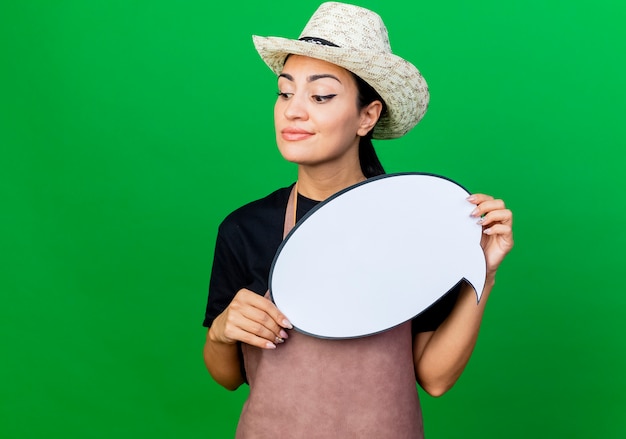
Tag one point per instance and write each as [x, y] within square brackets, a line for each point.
[356, 39]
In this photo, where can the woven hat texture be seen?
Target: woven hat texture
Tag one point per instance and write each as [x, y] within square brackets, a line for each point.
[356, 39]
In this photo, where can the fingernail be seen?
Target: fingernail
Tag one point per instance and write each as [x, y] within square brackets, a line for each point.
[283, 334]
[287, 324]
[270, 345]
[487, 231]
[278, 340]
[480, 221]
[471, 198]
[474, 212]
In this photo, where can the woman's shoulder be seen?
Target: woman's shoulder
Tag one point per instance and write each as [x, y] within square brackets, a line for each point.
[264, 210]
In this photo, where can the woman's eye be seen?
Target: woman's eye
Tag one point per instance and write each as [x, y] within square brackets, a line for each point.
[284, 95]
[320, 98]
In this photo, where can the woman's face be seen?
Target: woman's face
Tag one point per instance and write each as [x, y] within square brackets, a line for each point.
[316, 116]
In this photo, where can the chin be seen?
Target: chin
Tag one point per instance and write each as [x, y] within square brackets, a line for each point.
[298, 160]
[294, 155]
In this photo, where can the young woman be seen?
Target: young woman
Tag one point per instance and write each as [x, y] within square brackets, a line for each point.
[339, 85]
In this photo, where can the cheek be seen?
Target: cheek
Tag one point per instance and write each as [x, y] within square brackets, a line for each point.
[276, 111]
[343, 127]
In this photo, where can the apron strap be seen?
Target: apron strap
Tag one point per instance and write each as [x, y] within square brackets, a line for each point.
[290, 211]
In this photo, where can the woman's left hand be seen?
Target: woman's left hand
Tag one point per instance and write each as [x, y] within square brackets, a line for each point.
[497, 223]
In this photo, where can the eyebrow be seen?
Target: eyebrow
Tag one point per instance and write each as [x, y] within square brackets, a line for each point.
[312, 77]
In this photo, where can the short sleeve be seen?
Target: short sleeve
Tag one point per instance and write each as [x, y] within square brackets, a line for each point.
[247, 240]
[433, 316]
[227, 277]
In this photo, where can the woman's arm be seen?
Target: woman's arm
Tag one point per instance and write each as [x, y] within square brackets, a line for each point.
[250, 319]
[222, 362]
[441, 356]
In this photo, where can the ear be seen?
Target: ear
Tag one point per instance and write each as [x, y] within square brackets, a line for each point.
[369, 117]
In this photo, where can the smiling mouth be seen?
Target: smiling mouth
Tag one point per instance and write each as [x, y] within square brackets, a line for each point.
[295, 134]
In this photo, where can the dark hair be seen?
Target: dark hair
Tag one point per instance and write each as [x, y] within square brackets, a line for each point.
[370, 164]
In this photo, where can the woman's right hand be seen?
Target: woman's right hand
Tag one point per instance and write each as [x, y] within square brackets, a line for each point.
[250, 319]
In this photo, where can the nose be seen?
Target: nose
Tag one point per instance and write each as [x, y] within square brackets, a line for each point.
[295, 107]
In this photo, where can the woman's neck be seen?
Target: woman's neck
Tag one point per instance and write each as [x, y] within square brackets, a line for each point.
[319, 184]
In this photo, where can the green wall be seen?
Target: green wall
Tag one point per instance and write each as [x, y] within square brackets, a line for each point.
[129, 129]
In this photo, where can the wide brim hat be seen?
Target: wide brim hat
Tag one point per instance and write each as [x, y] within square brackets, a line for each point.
[356, 39]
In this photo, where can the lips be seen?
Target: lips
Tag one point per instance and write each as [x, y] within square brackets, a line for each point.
[294, 134]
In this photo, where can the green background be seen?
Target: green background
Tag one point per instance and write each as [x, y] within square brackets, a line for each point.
[129, 129]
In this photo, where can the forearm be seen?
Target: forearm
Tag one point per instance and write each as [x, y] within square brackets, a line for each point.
[250, 319]
[441, 356]
[223, 362]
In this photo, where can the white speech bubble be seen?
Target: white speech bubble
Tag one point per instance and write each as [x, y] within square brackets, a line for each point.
[376, 255]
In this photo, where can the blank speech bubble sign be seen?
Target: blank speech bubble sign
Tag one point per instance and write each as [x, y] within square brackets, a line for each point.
[376, 255]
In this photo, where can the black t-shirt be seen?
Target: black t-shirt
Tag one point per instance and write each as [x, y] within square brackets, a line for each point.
[247, 241]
